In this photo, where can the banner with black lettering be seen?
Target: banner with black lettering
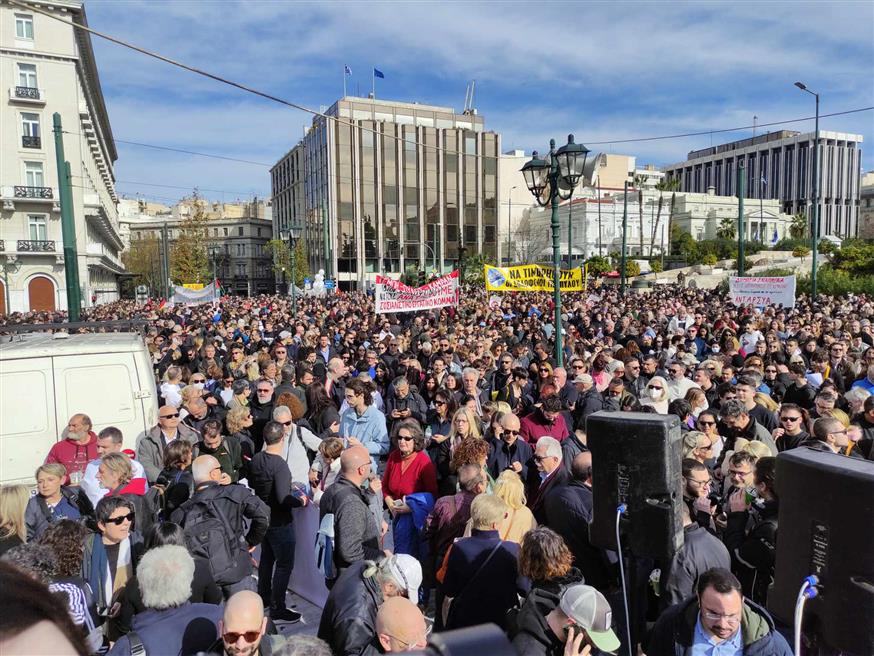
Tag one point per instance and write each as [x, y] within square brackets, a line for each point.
[394, 296]
[531, 278]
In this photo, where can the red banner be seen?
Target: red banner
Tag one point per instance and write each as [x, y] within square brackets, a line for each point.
[394, 296]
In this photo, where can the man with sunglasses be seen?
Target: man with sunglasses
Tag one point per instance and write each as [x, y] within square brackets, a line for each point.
[718, 620]
[243, 628]
[150, 451]
[508, 451]
[790, 434]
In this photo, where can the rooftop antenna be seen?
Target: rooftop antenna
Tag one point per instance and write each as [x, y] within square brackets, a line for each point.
[468, 98]
[755, 118]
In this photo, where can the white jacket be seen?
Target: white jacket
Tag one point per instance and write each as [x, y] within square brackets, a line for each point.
[299, 439]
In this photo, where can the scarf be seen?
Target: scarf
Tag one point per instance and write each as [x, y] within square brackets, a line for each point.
[101, 578]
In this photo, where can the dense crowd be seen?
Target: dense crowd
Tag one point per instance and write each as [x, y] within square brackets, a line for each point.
[446, 454]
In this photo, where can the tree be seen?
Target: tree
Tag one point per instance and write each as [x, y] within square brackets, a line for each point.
[189, 260]
[529, 243]
[798, 227]
[473, 266]
[726, 229]
[855, 258]
[663, 185]
[143, 260]
[598, 264]
[656, 265]
[632, 269]
[281, 254]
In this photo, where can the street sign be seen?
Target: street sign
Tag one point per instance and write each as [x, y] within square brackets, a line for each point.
[307, 281]
[142, 289]
[329, 284]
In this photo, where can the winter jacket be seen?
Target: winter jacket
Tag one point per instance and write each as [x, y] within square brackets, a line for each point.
[71, 454]
[356, 535]
[502, 456]
[137, 548]
[532, 635]
[539, 490]
[535, 426]
[299, 441]
[91, 486]
[237, 503]
[700, 552]
[674, 632]
[571, 447]
[348, 622]
[38, 517]
[150, 451]
[186, 629]
[753, 552]
[588, 403]
[145, 509]
[368, 428]
[228, 453]
[412, 402]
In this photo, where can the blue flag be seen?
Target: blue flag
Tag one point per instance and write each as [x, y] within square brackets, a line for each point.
[347, 70]
[378, 73]
[764, 182]
[775, 239]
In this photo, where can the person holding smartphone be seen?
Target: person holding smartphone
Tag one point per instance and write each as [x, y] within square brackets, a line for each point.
[578, 623]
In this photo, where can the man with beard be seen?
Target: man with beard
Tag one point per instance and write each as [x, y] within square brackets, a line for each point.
[77, 449]
[243, 626]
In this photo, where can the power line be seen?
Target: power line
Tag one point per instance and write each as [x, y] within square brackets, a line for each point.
[341, 121]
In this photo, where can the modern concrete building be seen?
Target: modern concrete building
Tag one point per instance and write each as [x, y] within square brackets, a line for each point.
[390, 185]
[515, 199]
[784, 160]
[866, 206]
[237, 236]
[47, 67]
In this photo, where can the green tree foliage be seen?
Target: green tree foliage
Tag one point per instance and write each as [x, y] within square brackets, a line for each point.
[656, 265]
[855, 258]
[598, 264]
[632, 268]
[189, 260]
[281, 254]
[709, 260]
[837, 283]
[727, 228]
[798, 227]
[800, 251]
[791, 244]
[143, 260]
[472, 267]
[826, 247]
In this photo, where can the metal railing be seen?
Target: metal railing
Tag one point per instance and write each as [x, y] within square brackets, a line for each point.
[21, 191]
[27, 92]
[36, 246]
[28, 141]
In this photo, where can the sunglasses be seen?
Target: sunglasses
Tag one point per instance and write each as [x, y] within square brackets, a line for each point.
[286, 423]
[173, 416]
[118, 521]
[439, 402]
[232, 637]
[655, 387]
[264, 391]
[406, 438]
[510, 432]
[707, 423]
[790, 418]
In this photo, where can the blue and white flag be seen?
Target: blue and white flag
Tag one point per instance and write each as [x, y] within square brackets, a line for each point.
[764, 182]
[774, 239]
[347, 70]
[378, 73]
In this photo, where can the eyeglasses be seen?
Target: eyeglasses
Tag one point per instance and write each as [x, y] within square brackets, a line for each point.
[507, 431]
[540, 458]
[738, 472]
[173, 416]
[287, 423]
[706, 447]
[118, 521]
[232, 637]
[790, 418]
[579, 366]
[698, 483]
[406, 438]
[731, 618]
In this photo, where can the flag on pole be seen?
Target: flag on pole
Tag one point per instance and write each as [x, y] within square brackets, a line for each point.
[775, 239]
[347, 70]
[378, 73]
[764, 182]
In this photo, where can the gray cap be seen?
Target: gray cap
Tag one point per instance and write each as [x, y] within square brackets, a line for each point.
[585, 379]
[588, 609]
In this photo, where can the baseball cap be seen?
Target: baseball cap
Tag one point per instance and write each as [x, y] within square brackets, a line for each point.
[406, 570]
[585, 379]
[588, 609]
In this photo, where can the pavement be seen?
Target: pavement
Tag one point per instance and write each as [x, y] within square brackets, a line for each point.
[309, 623]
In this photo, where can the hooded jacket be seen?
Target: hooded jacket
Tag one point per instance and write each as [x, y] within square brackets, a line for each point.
[674, 632]
[533, 637]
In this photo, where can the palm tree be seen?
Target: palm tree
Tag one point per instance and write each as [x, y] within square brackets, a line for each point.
[798, 227]
[726, 229]
[663, 185]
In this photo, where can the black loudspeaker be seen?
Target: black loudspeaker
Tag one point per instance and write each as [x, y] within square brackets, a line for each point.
[636, 461]
[825, 527]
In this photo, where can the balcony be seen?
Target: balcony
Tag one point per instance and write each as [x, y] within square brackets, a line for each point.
[35, 246]
[33, 192]
[2, 245]
[30, 95]
[28, 141]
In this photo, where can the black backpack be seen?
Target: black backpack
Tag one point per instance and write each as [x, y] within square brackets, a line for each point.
[209, 535]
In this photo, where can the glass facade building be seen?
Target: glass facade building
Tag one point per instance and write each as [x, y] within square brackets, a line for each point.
[388, 187]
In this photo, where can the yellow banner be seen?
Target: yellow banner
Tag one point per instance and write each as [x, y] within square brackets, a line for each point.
[193, 285]
[531, 278]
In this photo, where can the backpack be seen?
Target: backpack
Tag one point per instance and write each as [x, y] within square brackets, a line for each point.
[324, 547]
[209, 535]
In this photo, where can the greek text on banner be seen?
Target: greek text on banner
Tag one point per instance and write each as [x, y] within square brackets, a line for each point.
[394, 296]
[760, 291]
[531, 278]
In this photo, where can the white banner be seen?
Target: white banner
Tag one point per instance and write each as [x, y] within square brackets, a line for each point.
[761, 291]
[394, 296]
[194, 296]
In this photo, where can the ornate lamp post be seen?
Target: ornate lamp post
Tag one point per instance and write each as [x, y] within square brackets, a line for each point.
[291, 234]
[549, 180]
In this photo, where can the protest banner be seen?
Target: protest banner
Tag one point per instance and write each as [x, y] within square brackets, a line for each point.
[531, 278]
[194, 296]
[394, 296]
[760, 291]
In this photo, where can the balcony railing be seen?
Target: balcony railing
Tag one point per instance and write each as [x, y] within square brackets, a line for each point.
[27, 92]
[33, 192]
[35, 246]
[28, 141]
[2, 245]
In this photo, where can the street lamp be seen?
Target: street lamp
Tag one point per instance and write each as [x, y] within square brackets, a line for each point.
[814, 228]
[509, 220]
[549, 180]
[291, 234]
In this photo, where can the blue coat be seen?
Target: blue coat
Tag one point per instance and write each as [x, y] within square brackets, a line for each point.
[187, 629]
[369, 428]
[408, 527]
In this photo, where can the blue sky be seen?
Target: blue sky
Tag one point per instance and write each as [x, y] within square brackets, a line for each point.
[604, 71]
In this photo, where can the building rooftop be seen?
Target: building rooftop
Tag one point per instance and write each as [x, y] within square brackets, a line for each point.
[766, 138]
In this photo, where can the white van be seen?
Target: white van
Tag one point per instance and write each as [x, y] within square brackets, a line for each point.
[46, 378]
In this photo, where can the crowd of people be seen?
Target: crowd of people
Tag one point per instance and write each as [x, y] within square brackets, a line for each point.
[446, 453]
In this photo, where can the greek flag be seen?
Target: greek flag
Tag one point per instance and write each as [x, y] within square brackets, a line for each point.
[764, 182]
[347, 70]
[378, 73]
[774, 239]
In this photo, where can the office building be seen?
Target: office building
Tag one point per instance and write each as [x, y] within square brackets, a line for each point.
[866, 207]
[383, 186]
[779, 165]
[48, 67]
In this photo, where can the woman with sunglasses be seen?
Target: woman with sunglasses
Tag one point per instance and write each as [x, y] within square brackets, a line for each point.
[408, 471]
[707, 424]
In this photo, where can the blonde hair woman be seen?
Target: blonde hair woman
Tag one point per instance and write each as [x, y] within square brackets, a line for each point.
[519, 520]
[52, 500]
[13, 530]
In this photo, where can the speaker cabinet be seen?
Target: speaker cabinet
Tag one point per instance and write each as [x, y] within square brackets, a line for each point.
[636, 460]
[825, 527]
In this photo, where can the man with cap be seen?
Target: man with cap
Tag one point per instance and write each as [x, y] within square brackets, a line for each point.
[588, 401]
[580, 624]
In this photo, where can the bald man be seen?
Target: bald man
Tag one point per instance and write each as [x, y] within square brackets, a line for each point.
[508, 451]
[243, 624]
[356, 533]
[77, 448]
[400, 626]
[150, 451]
[234, 504]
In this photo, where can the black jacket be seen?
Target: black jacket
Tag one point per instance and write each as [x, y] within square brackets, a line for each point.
[753, 551]
[588, 403]
[237, 503]
[700, 552]
[502, 456]
[538, 490]
[531, 634]
[348, 622]
[270, 479]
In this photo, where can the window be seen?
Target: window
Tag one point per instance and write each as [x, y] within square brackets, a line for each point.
[30, 125]
[241, 250]
[27, 75]
[33, 174]
[240, 231]
[36, 226]
[225, 231]
[24, 26]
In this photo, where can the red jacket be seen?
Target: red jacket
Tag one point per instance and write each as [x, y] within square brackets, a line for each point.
[70, 454]
[535, 426]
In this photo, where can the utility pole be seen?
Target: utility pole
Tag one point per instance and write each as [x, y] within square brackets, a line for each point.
[326, 235]
[624, 237]
[68, 225]
[509, 221]
[165, 262]
[599, 217]
[741, 228]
